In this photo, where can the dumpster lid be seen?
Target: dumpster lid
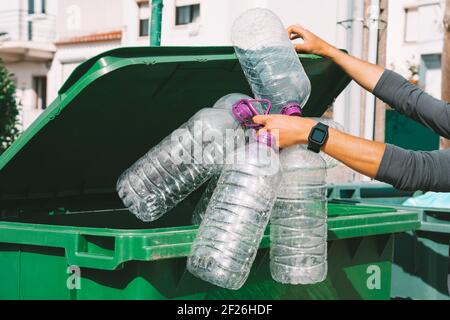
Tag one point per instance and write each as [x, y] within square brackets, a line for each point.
[117, 105]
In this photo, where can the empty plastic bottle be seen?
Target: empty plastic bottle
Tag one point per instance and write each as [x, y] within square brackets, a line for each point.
[298, 226]
[236, 217]
[269, 60]
[241, 111]
[202, 204]
[180, 163]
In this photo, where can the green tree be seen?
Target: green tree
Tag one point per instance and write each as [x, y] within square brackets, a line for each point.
[9, 113]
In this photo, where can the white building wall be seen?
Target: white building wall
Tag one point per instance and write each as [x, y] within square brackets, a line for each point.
[217, 16]
[23, 76]
[12, 5]
[400, 54]
[14, 19]
[431, 15]
[44, 25]
[130, 24]
[211, 29]
[80, 17]
[24, 71]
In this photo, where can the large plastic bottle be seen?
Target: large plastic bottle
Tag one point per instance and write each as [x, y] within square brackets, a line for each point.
[269, 60]
[237, 215]
[241, 112]
[180, 163]
[202, 204]
[298, 226]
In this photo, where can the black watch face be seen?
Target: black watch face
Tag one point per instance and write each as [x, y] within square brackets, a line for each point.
[318, 136]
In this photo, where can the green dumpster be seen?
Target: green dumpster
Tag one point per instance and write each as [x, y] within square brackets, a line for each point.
[421, 261]
[64, 233]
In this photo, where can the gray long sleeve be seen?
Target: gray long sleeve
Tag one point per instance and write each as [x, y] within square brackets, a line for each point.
[413, 102]
[415, 170]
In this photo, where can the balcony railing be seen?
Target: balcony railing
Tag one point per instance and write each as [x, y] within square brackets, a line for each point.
[19, 25]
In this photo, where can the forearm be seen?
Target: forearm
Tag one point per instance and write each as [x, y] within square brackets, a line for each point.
[404, 169]
[359, 154]
[364, 73]
[408, 170]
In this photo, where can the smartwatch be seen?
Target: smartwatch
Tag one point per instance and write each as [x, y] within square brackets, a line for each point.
[317, 137]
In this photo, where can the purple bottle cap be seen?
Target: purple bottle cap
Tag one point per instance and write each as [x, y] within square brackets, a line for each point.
[244, 111]
[266, 138]
[292, 109]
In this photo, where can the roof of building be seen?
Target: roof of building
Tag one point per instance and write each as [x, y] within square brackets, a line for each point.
[94, 37]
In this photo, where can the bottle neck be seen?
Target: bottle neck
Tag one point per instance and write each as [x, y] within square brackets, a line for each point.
[244, 111]
[292, 109]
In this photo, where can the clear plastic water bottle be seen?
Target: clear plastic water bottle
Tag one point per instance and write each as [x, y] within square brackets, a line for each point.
[180, 163]
[202, 204]
[269, 60]
[298, 226]
[241, 112]
[330, 161]
[237, 215]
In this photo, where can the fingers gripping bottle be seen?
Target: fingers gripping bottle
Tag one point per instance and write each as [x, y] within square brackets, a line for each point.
[181, 162]
[244, 111]
[237, 215]
[269, 61]
[298, 229]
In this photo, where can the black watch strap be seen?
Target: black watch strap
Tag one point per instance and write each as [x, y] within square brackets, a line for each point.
[317, 137]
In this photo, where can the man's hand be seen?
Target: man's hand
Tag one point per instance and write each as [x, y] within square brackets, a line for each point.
[311, 43]
[287, 130]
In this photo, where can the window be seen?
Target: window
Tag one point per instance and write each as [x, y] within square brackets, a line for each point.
[431, 74]
[43, 6]
[144, 15]
[411, 24]
[143, 27]
[187, 14]
[40, 90]
[37, 7]
[30, 6]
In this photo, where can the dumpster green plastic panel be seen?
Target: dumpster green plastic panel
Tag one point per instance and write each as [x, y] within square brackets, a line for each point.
[408, 133]
[41, 261]
[64, 233]
[421, 267]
